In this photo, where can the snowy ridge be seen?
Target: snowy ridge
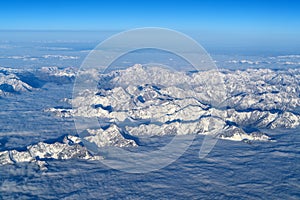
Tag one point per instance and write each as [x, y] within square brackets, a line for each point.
[156, 101]
[141, 101]
[40, 152]
[10, 83]
[16, 81]
[263, 89]
[55, 71]
[69, 147]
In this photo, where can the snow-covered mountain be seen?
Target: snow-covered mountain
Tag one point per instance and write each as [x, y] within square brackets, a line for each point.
[55, 74]
[157, 101]
[146, 101]
[16, 81]
[10, 83]
[66, 147]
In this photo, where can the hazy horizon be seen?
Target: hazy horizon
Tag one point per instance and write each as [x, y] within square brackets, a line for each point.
[261, 26]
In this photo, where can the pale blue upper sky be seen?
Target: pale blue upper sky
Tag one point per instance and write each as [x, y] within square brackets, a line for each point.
[257, 20]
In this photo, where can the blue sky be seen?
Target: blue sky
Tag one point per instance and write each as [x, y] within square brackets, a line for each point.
[253, 20]
[256, 15]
